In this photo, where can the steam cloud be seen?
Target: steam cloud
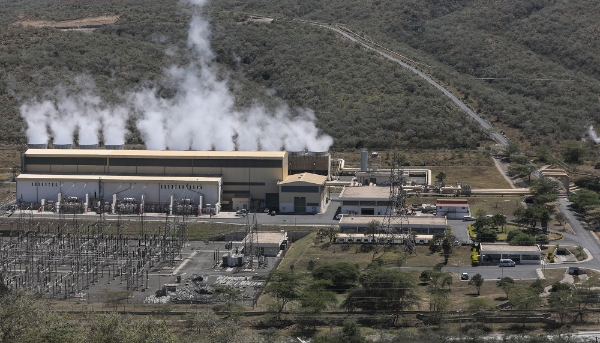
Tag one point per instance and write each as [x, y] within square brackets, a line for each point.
[201, 116]
[592, 133]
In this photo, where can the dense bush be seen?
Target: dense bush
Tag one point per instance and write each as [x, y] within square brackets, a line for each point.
[342, 275]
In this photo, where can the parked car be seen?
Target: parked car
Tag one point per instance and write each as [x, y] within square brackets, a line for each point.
[468, 219]
[241, 213]
[272, 213]
[267, 210]
[339, 216]
[507, 262]
[464, 276]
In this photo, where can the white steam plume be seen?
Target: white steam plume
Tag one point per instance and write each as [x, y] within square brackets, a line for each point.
[201, 116]
[83, 112]
[593, 136]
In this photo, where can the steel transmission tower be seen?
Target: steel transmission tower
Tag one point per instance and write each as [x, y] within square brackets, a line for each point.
[395, 224]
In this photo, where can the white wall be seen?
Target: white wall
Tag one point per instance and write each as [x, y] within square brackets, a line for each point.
[35, 191]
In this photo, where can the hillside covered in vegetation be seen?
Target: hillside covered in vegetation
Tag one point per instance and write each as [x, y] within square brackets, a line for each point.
[531, 69]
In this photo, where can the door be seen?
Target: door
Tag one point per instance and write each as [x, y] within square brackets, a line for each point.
[299, 205]
[367, 211]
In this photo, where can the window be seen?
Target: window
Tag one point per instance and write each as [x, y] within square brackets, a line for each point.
[300, 189]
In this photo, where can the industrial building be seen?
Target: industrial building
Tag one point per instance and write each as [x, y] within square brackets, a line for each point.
[365, 200]
[122, 194]
[425, 225]
[409, 177]
[452, 208]
[380, 238]
[302, 193]
[263, 243]
[310, 162]
[492, 253]
[226, 180]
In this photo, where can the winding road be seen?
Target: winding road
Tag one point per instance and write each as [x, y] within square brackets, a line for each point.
[495, 135]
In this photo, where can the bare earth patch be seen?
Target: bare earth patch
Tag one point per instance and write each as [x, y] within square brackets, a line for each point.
[89, 22]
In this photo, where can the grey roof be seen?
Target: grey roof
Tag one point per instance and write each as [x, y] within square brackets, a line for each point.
[365, 192]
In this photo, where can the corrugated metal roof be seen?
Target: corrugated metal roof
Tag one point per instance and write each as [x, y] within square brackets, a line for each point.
[304, 177]
[156, 154]
[49, 177]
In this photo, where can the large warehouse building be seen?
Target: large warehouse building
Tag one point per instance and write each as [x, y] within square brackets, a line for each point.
[223, 179]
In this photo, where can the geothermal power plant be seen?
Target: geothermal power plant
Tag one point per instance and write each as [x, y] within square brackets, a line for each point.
[112, 180]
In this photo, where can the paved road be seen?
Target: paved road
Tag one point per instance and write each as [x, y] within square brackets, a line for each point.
[496, 136]
[582, 236]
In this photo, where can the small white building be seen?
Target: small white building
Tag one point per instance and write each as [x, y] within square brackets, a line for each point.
[492, 253]
[302, 193]
[452, 208]
[266, 243]
[365, 200]
[379, 238]
[420, 225]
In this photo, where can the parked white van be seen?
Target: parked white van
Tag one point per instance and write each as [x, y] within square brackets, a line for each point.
[507, 262]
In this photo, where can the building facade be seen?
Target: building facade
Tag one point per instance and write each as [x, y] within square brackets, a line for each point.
[452, 208]
[365, 200]
[302, 193]
[251, 175]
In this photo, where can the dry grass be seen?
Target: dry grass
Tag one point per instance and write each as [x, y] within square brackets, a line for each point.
[495, 204]
[321, 253]
[553, 276]
[476, 176]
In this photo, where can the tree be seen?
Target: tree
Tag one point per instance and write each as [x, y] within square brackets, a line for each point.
[506, 283]
[283, 286]
[560, 218]
[436, 279]
[342, 275]
[383, 290]
[499, 220]
[584, 200]
[447, 248]
[524, 298]
[592, 217]
[543, 153]
[487, 235]
[575, 152]
[542, 239]
[329, 232]
[589, 182]
[441, 177]
[522, 239]
[544, 190]
[512, 148]
[532, 215]
[315, 298]
[477, 282]
[372, 229]
[562, 300]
